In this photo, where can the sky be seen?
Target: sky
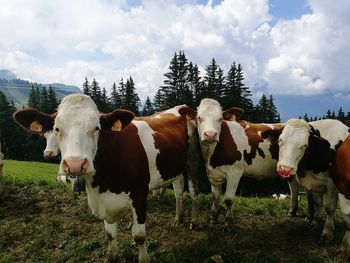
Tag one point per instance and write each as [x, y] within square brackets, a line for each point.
[298, 47]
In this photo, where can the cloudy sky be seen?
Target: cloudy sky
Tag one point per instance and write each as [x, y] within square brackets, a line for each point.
[285, 46]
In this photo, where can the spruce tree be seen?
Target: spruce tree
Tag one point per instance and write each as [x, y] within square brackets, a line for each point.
[132, 100]
[34, 98]
[44, 101]
[245, 93]
[341, 115]
[52, 101]
[211, 80]
[147, 108]
[195, 83]
[114, 98]
[273, 115]
[86, 87]
[232, 93]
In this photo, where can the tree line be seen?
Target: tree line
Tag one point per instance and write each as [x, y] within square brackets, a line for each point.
[183, 84]
[340, 115]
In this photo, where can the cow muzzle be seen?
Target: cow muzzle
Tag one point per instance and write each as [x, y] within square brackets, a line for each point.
[285, 172]
[75, 167]
[210, 136]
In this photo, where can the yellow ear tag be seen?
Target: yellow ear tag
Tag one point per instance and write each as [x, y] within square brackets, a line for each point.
[117, 126]
[36, 127]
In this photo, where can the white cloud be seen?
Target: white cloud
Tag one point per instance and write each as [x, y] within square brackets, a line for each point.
[64, 41]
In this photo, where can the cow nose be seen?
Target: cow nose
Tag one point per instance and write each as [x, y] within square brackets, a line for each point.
[210, 136]
[48, 154]
[75, 166]
[285, 171]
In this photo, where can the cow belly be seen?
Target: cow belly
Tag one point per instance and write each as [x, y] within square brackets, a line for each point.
[158, 182]
[261, 168]
[315, 182]
[107, 205]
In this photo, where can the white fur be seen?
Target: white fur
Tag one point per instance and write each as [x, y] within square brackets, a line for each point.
[209, 116]
[51, 148]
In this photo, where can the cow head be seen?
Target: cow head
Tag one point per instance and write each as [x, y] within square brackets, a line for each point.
[293, 142]
[210, 117]
[76, 127]
[302, 148]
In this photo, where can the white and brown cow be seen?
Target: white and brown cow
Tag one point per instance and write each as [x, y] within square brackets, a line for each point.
[234, 148]
[119, 158]
[341, 177]
[307, 150]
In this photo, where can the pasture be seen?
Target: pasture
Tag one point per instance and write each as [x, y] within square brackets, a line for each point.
[43, 221]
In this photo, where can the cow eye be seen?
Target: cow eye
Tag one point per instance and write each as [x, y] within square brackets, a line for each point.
[199, 119]
[96, 129]
[57, 130]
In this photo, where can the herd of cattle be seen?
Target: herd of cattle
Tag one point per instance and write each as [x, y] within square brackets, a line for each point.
[122, 157]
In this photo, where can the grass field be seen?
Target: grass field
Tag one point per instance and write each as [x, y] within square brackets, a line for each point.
[42, 221]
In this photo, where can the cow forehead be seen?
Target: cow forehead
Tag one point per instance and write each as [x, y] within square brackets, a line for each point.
[77, 110]
[296, 130]
[209, 107]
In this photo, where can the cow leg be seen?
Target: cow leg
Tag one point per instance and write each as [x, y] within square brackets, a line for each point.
[331, 206]
[318, 199]
[111, 231]
[311, 206]
[294, 192]
[178, 186]
[138, 230]
[231, 188]
[344, 205]
[193, 188]
[216, 192]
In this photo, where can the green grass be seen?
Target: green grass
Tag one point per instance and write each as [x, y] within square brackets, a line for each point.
[26, 173]
[42, 221]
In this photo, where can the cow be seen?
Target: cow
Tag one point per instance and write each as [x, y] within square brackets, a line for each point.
[233, 148]
[306, 151]
[121, 159]
[340, 172]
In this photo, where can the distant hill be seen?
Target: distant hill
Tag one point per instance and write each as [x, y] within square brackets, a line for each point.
[18, 90]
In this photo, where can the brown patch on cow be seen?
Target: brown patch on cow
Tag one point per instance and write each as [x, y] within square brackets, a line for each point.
[122, 166]
[171, 140]
[252, 131]
[341, 168]
[225, 152]
[27, 117]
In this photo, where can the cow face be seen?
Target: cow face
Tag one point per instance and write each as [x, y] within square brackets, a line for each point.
[77, 128]
[293, 142]
[51, 149]
[210, 117]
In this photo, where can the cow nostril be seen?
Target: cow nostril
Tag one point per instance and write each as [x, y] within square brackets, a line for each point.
[85, 164]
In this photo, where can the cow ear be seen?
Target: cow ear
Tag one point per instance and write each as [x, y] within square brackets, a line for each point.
[116, 120]
[187, 113]
[34, 121]
[272, 135]
[232, 114]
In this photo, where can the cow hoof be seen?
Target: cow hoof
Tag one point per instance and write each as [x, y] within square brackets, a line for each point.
[292, 213]
[114, 258]
[308, 219]
[327, 235]
[176, 223]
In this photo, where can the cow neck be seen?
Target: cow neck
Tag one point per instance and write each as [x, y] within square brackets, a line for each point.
[318, 154]
[121, 161]
[226, 151]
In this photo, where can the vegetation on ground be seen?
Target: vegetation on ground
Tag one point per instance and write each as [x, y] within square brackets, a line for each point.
[41, 220]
